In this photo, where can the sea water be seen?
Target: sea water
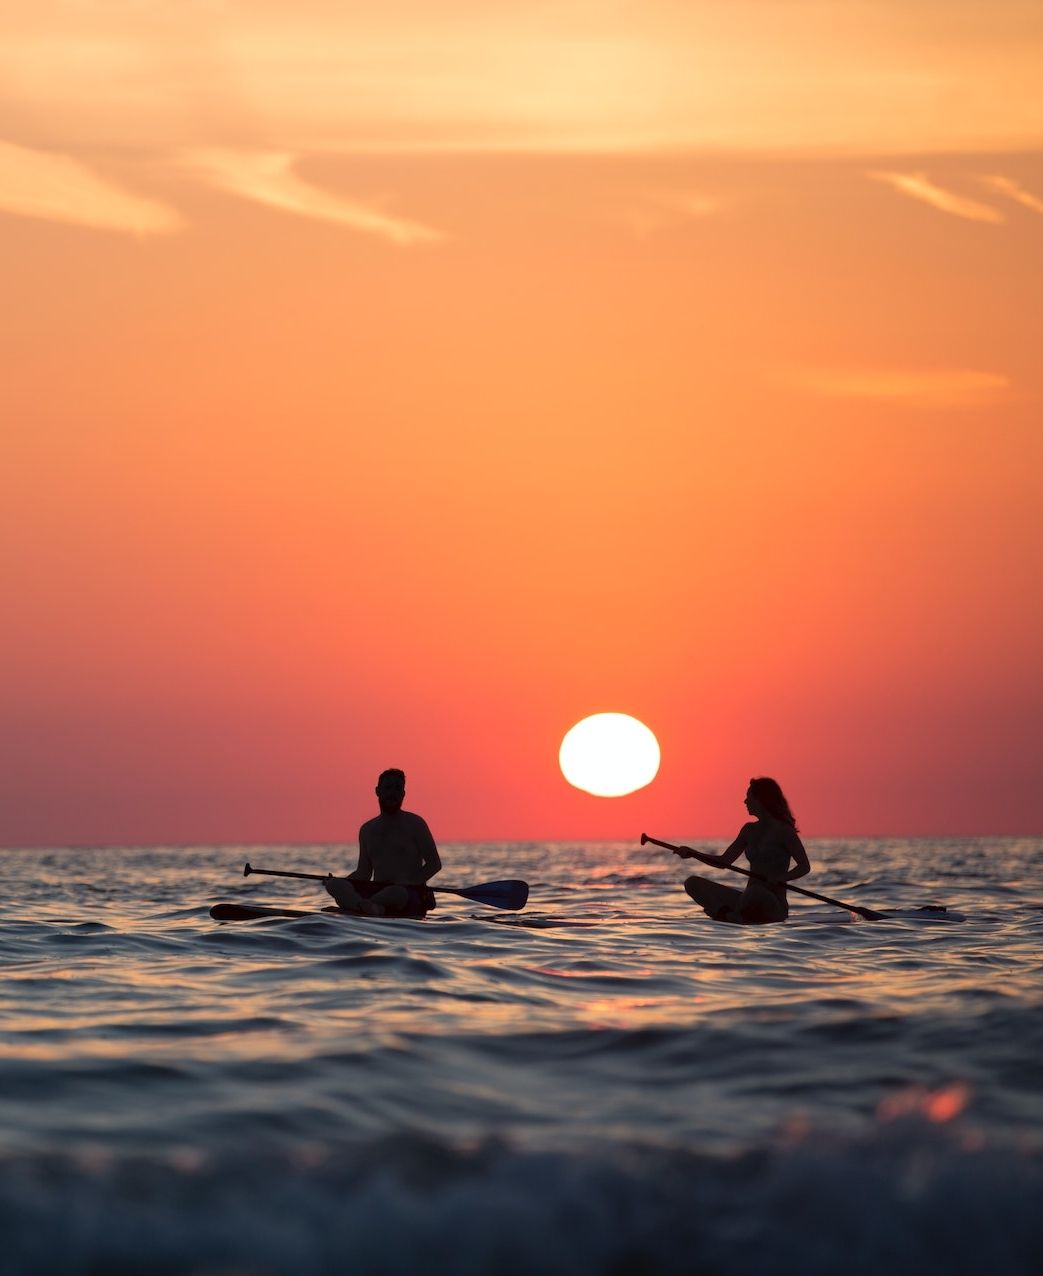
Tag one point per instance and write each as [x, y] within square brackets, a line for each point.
[607, 1082]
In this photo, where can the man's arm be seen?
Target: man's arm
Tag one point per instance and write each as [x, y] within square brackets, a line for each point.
[429, 857]
[364, 869]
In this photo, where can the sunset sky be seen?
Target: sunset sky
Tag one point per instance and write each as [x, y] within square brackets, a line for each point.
[396, 384]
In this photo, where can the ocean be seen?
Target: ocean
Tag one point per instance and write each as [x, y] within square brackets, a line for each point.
[607, 1082]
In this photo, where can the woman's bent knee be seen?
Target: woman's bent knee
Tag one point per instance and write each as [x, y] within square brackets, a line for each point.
[693, 885]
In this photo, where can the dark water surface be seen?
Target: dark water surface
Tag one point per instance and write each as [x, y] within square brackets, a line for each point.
[606, 1083]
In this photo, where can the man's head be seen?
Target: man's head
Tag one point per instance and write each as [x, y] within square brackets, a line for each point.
[391, 790]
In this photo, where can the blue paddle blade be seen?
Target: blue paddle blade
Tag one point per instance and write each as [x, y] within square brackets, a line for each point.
[510, 893]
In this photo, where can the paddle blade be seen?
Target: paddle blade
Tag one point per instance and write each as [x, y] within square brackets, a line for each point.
[509, 893]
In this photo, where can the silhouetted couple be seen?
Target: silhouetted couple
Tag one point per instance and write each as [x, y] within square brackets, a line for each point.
[397, 858]
[770, 841]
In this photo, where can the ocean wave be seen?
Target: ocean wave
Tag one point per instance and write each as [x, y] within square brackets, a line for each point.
[913, 1197]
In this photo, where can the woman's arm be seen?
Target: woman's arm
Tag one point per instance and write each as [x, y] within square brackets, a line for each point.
[737, 847]
[800, 856]
[718, 861]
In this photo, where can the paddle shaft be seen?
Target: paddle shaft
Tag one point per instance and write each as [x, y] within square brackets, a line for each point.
[279, 872]
[325, 877]
[485, 893]
[867, 913]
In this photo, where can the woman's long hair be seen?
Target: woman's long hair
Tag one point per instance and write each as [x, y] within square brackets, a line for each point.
[769, 794]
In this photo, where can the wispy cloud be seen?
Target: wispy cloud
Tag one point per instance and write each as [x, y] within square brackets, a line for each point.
[919, 186]
[267, 177]
[653, 210]
[928, 387]
[54, 187]
[1013, 190]
[878, 77]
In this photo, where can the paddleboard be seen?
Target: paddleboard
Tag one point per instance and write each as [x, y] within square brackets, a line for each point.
[251, 912]
[927, 913]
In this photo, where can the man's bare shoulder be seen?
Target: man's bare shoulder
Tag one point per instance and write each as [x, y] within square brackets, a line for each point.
[417, 821]
[404, 819]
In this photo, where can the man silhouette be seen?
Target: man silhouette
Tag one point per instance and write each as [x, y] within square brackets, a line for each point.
[397, 858]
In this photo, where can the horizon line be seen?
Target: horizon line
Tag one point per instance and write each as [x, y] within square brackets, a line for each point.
[486, 841]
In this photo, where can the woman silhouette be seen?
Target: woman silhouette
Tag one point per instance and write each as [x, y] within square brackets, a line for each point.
[770, 842]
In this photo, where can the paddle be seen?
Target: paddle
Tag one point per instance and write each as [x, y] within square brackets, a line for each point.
[867, 913]
[509, 893]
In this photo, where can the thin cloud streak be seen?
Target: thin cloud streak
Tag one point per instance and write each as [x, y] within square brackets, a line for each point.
[928, 387]
[1009, 187]
[918, 186]
[267, 177]
[56, 188]
[655, 210]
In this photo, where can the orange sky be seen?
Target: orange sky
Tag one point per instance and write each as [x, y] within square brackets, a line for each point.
[397, 389]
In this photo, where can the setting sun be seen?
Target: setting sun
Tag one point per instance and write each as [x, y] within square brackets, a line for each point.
[609, 755]
[396, 384]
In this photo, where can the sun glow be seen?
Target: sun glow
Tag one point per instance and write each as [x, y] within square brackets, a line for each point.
[609, 755]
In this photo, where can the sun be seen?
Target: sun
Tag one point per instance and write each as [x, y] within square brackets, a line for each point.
[609, 755]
